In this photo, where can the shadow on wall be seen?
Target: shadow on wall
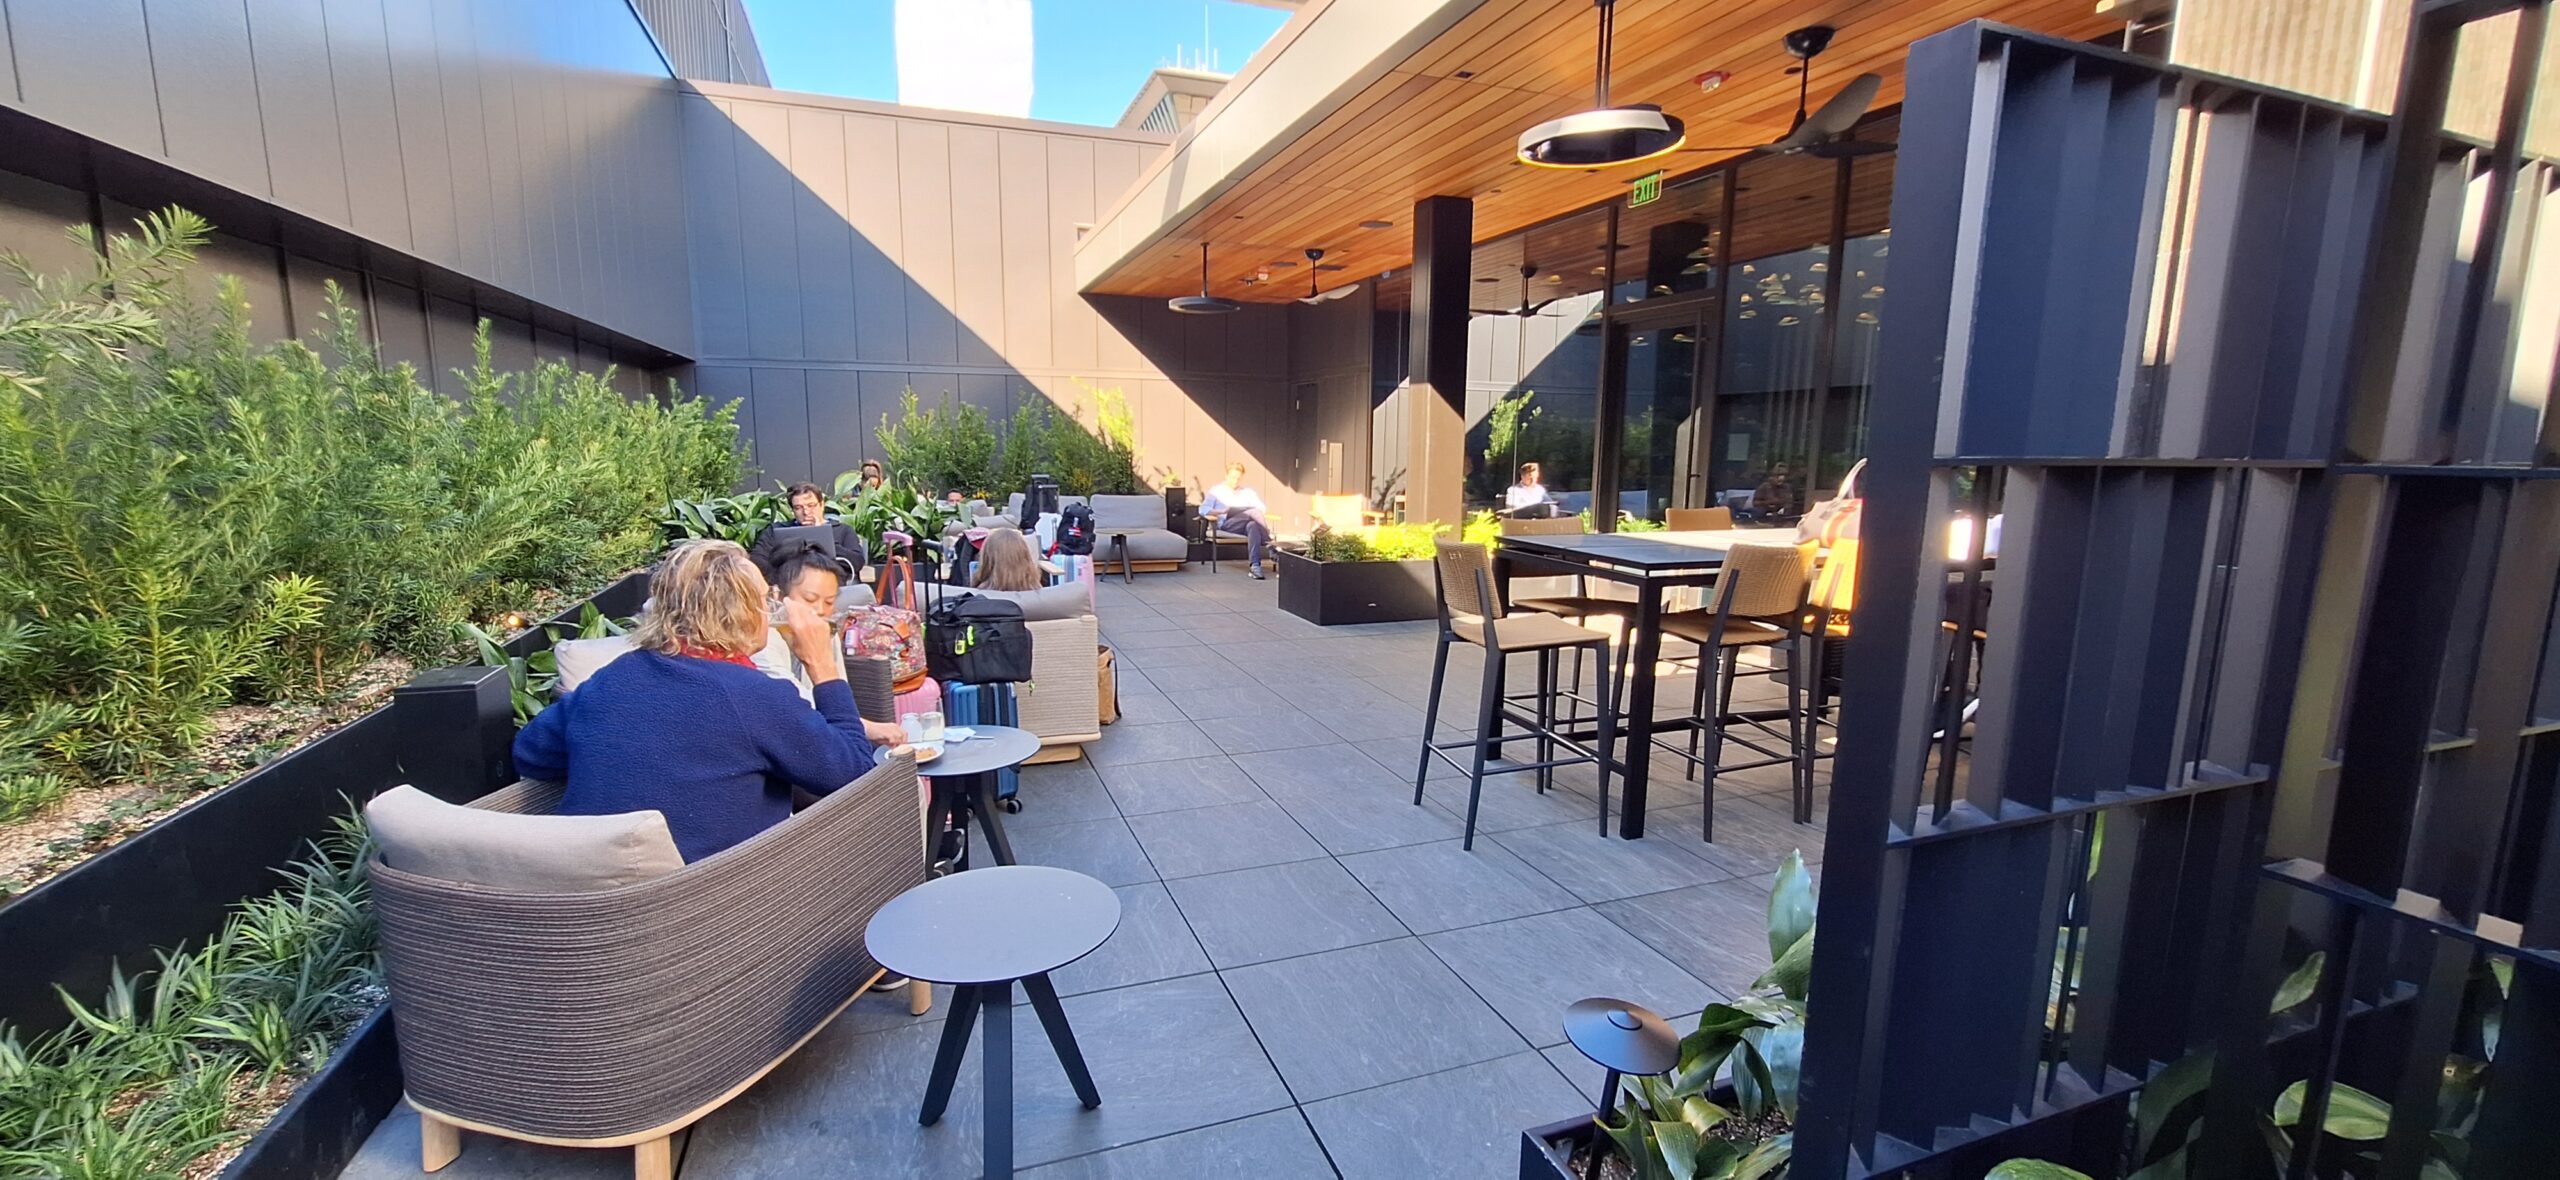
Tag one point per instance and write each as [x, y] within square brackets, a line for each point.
[844, 253]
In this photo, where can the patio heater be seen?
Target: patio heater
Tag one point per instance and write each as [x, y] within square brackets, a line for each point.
[1605, 135]
[1203, 303]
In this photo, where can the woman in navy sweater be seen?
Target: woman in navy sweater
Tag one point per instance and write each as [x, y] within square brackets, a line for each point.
[685, 725]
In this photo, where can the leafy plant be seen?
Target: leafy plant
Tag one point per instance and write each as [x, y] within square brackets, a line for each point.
[2032, 1170]
[737, 518]
[949, 445]
[1377, 542]
[190, 519]
[149, 1078]
[1668, 1129]
[532, 680]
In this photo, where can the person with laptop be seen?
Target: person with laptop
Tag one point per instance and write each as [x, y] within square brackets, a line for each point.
[1235, 508]
[808, 525]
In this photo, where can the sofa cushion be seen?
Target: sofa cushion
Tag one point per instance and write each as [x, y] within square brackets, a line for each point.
[419, 833]
[1144, 545]
[578, 659]
[1066, 600]
[1128, 512]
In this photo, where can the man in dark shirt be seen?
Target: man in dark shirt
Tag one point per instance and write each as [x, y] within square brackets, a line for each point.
[809, 507]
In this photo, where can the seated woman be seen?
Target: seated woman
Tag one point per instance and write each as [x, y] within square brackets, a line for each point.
[685, 725]
[1005, 562]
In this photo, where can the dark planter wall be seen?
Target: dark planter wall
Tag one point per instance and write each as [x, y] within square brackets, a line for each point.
[328, 1121]
[1330, 593]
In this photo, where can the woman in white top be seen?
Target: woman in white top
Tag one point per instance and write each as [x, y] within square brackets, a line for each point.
[1238, 509]
[1528, 498]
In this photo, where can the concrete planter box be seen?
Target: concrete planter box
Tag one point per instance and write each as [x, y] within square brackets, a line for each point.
[1331, 593]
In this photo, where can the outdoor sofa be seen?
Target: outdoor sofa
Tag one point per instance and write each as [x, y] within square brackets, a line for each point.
[617, 1017]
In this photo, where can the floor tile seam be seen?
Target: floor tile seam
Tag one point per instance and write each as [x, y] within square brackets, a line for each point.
[1291, 1107]
[1541, 1052]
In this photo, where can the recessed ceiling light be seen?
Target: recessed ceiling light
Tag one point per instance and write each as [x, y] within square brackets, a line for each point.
[1466, 73]
[1377, 225]
[1599, 270]
[1487, 279]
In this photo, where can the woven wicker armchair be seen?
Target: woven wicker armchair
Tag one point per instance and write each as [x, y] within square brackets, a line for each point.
[619, 1017]
[1063, 703]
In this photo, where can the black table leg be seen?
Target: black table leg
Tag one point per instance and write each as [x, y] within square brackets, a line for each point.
[1044, 1000]
[1120, 546]
[946, 1060]
[997, 1066]
[1636, 771]
[982, 802]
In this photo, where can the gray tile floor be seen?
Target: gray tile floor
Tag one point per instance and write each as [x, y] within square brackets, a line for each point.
[1311, 978]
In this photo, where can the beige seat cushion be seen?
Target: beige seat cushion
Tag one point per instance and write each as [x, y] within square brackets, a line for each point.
[579, 659]
[1066, 600]
[1528, 632]
[419, 833]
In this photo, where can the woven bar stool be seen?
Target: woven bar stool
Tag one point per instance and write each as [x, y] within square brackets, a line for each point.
[1758, 601]
[1580, 607]
[1468, 614]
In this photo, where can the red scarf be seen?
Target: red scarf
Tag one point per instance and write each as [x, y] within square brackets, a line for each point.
[704, 653]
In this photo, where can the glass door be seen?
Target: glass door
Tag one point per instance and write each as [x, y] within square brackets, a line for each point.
[1658, 362]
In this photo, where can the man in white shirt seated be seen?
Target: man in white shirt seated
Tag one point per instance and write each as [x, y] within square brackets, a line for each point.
[1238, 509]
[1528, 499]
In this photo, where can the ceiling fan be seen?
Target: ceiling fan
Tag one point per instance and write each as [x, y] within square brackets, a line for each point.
[1314, 296]
[1528, 274]
[1824, 133]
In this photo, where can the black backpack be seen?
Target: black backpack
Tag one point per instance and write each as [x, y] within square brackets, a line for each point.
[969, 639]
[1075, 531]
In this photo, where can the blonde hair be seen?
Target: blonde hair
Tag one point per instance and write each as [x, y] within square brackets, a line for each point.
[1005, 562]
[706, 595]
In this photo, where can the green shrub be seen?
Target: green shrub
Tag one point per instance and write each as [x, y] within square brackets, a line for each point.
[953, 447]
[154, 1074]
[189, 519]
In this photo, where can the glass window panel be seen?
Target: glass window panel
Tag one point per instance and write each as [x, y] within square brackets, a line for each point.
[1661, 365]
[1771, 423]
[1668, 247]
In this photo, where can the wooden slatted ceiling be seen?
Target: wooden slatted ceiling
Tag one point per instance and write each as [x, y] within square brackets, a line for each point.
[1421, 130]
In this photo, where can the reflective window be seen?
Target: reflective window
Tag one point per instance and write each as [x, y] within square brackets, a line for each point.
[1669, 247]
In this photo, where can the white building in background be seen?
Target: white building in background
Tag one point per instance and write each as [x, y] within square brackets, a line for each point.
[966, 55]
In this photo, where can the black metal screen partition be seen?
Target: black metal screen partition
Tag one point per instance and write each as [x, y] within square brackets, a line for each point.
[2207, 828]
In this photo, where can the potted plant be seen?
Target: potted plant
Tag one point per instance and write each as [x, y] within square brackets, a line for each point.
[1685, 1125]
[1380, 574]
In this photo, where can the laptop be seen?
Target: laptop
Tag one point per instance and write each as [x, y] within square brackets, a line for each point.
[821, 535]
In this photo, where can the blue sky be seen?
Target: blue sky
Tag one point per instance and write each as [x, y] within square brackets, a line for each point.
[1088, 56]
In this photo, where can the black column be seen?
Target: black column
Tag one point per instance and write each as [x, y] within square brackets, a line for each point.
[1435, 402]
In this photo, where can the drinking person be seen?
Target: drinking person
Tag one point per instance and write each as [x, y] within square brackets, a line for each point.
[685, 724]
[1238, 509]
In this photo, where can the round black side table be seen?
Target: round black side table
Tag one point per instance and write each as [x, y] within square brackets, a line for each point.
[970, 768]
[980, 932]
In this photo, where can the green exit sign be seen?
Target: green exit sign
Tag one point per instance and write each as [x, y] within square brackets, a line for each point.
[1647, 190]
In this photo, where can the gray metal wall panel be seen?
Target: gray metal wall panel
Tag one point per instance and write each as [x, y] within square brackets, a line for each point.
[839, 434]
[87, 66]
[368, 121]
[883, 393]
[825, 237]
[466, 135]
[872, 204]
[731, 385]
[257, 268]
[307, 290]
[765, 207]
[781, 399]
[449, 328]
[977, 248]
[924, 212]
[551, 347]
[1074, 329]
[418, 98]
[1030, 240]
[34, 220]
[714, 237]
[208, 91]
[510, 344]
[400, 325]
[290, 44]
